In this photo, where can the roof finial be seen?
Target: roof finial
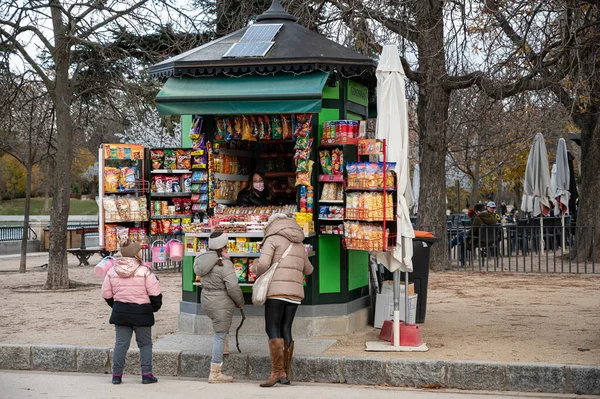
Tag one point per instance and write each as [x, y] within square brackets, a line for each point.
[276, 11]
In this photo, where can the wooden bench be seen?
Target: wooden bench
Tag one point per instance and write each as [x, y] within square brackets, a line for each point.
[83, 253]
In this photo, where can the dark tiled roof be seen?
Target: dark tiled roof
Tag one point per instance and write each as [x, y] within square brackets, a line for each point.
[296, 49]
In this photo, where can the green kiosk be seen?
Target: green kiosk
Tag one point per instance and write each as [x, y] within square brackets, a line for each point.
[276, 67]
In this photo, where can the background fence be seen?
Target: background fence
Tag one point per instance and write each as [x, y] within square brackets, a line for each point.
[15, 233]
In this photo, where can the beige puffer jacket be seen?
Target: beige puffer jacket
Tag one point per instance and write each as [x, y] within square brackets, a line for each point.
[220, 290]
[288, 279]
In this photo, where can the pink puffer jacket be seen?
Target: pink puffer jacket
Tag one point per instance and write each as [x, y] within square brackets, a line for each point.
[129, 281]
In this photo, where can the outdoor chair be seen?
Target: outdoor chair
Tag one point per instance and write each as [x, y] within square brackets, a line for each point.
[551, 233]
[487, 242]
[519, 237]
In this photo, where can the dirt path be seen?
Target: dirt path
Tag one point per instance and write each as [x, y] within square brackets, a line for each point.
[470, 316]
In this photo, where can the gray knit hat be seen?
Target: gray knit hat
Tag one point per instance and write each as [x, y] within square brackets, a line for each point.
[219, 241]
[275, 217]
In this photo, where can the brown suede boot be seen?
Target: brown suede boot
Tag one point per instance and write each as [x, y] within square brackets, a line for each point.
[288, 362]
[277, 370]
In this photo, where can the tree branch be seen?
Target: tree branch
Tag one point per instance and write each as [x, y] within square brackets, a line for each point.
[112, 18]
[28, 58]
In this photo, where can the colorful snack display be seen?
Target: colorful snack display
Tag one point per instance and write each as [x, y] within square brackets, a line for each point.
[157, 157]
[183, 159]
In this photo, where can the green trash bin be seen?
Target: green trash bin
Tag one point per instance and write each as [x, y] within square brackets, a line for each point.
[419, 275]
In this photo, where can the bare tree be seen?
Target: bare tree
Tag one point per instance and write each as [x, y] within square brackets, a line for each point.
[59, 41]
[27, 134]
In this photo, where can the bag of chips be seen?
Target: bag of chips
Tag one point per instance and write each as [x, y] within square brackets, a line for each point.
[170, 159]
[262, 130]
[303, 126]
[228, 128]
[276, 127]
[157, 157]
[183, 159]
[303, 178]
[111, 179]
[286, 126]
[186, 183]
[247, 129]
[127, 180]
[240, 265]
[110, 238]
[325, 161]
[186, 206]
[196, 127]
[220, 130]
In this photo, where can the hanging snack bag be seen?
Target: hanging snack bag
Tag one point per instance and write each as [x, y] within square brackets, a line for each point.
[186, 183]
[228, 128]
[122, 233]
[336, 161]
[247, 129]
[254, 127]
[220, 131]
[286, 126]
[260, 125]
[237, 127]
[268, 127]
[184, 161]
[170, 159]
[303, 125]
[196, 127]
[157, 157]
[303, 142]
[303, 178]
[276, 127]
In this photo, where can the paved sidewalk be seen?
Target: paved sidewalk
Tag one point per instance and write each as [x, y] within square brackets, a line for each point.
[90, 386]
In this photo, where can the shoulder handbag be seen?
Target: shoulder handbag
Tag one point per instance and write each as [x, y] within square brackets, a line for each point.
[261, 285]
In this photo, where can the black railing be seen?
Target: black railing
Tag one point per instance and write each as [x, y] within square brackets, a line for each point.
[527, 246]
[15, 233]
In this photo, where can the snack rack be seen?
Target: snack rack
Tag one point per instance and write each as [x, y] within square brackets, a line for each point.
[122, 203]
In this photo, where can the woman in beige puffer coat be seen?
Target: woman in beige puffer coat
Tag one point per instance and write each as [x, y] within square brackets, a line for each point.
[220, 295]
[286, 290]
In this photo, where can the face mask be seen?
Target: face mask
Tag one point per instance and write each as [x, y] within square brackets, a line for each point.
[259, 186]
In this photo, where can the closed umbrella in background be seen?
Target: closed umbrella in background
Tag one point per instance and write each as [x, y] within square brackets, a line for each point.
[560, 191]
[416, 186]
[536, 186]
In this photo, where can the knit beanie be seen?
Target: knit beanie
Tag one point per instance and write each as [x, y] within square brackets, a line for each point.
[217, 241]
[130, 248]
[275, 217]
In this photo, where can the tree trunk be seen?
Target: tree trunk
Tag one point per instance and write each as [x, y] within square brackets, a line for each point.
[588, 218]
[58, 272]
[24, 239]
[432, 111]
[47, 199]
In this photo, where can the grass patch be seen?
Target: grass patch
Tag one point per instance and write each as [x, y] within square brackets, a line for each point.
[17, 207]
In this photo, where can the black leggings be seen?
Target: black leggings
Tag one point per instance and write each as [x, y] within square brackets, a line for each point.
[279, 316]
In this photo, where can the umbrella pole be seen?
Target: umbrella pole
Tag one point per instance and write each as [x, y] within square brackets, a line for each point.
[406, 314]
[541, 235]
[397, 278]
[562, 223]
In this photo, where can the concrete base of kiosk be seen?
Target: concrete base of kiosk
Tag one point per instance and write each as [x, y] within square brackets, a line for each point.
[310, 321]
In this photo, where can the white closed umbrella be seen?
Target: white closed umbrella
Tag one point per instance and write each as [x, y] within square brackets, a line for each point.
[562, 179]
[392, 125]
[553, 186]
[416, 186]
[536, 187]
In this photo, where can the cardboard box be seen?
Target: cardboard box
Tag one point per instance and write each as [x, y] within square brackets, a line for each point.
[388, 288]
[384, 309]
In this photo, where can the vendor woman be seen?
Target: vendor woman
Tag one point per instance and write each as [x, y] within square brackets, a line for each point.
[257, 193]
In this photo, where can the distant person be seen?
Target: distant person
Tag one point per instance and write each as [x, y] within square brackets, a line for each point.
[221, 293]
[503, 209]
[133, 293]
[257, 193]
[483, 218]
[491, 208]
[460, 237]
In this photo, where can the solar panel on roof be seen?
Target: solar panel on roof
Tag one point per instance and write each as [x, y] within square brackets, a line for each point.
[260, 33]
[249, 49]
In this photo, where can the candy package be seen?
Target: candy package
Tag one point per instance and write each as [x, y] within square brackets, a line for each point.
[170, 159]
[276, 127]
[157, 157]
[111, 179]
[220, 128]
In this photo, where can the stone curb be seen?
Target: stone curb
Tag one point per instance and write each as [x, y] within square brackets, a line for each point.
[421, 373]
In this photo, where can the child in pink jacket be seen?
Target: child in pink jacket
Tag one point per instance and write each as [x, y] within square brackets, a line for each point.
[133, 293]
